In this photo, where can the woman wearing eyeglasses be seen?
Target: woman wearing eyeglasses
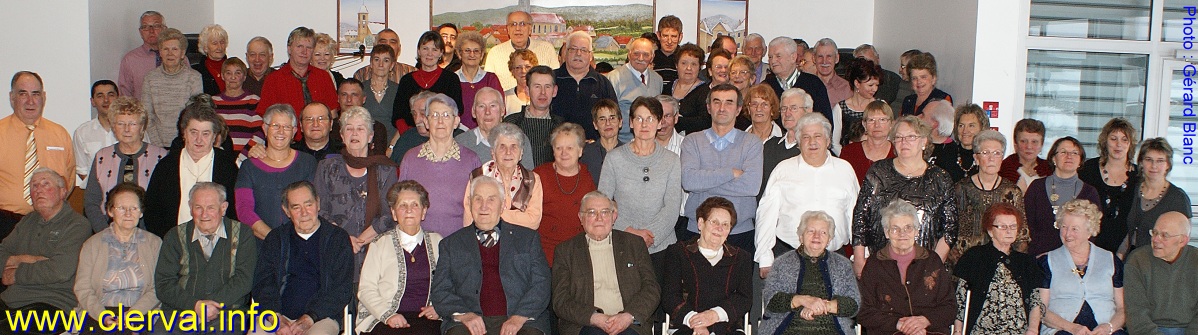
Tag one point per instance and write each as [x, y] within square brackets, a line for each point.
[976, 193]
[1045, 196]
[1083, 284]
[442, 165]
[878, 119]
[997, 291]
[707, 287]
[471, 49]
[261, 181]
[116, 268]
[904, 287]
[910, 178]
[1156, 196]
[523, 191]
[130, 160]
[645, 179]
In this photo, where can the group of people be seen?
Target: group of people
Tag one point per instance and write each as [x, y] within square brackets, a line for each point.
[464, 197]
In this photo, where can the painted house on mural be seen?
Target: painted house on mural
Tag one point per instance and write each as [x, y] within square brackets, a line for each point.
[716, 25]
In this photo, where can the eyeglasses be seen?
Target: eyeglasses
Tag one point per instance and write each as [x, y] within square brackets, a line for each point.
[603, 213]
[877, 120]
[127, 210]
[309, 120]
[1164, 235]
[643, 119]
[284, 127]
[606, 119]
[990, 153]
[1069, 153]
[901, 230]
[442, 115]
[147, 27]
[1007, 227]
[578, 50]
[738, 73]
[123, 124]
[517, 23]
[520, 67]
[908, 138]
[472, 51]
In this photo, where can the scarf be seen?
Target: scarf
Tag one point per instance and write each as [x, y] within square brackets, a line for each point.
[519, 187]
[371, 164]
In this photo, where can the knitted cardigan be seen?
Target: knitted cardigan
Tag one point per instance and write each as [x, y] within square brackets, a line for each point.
[784, 277]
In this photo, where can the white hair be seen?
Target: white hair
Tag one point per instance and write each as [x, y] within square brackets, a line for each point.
[786, 43]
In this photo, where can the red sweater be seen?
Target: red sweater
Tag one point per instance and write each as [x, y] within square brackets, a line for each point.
[491, 295]
[283, 87]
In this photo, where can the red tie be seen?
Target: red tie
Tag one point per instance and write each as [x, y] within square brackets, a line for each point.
[643, 79]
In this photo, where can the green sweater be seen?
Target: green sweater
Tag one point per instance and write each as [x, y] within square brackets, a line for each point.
[1159, 294]
[51, 281]
[209, 279]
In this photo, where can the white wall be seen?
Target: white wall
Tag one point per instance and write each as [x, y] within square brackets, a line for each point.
[946, 28]
[113, 28]
[1001, 59]
[273, 19]
[849, 22]
[58, 60]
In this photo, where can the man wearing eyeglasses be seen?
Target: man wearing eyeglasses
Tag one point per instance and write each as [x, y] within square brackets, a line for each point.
[519, 30]
[315, 123]
[138, 62]
[579, 85]
[634, 80]
[1160, 287]
[603, 279]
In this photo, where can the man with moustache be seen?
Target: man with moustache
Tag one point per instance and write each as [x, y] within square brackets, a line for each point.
[578, 85]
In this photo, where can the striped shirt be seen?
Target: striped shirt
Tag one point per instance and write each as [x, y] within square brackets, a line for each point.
[245, 126]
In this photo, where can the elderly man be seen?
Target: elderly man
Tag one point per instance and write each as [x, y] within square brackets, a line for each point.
[93, 135]
[634, 80]
[305, 268]
[1159, 285]
[260, 56]
[669, 34]
[519, 27]
[888, 89]
[591, 294]
[491, 275]
[488, 112]
[535, 120]
[390, 38]
[351, 93]
[785, 74]
[579, 85]
[45, 144]
[41, 253]
[316, 123]
[294, 84]
[138, 62]
[754, 48]
[826, 57]
[939, 116]
[449, 59]
[207, 264]
[723, 161]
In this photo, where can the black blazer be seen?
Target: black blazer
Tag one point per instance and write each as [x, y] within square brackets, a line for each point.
[814, 87]
[163, 194]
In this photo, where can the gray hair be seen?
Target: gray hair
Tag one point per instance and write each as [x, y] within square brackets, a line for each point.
[423, 95]
[441, 98]
[483, 179]
[207, 185]
[149, 13]
[861, 49]
[668, 100]
[597, 194]
[57, 178]
[817, 215]
[807, 102]
[473, 37]
[786, 43]
[569, 128]
[943, 112]
[279, 109]
[486, 89]
[897, 208]
[504, 129]
[816, 118]
[755, 37]
[269, 46]
[571, 36]
[208, 33]
[172, 34]
[990, 135]
[357, 112]
[827, 42]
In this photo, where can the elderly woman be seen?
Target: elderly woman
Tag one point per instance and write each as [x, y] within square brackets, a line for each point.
[261, 181]
[795, 104]
[921, 70]
[997, 290]
[518, 63]
[167, 88]
[904, 287]
[559, 221]
[707, 285]
[909, 178]
[812, 290]
[975, 194]
[1113, 173]
[239, 108]
[718, 62]
[878, 120]
[351, 185]
[1157, 195]
[956, 157]
[213, 42]
[130, 160]
[830, 187]
[864, 76]
[383, 90]
[1025, 165]
[324, 54]
[471, 47]
[645, 178]
[198, 161]
[690, 90]
[398, 271]
[1083, 284]
[741, 72]
[523, 201]
[762, 109]
[116, 266]
[428, 76]
[1045, 196]
[441, 164]
[608, 119]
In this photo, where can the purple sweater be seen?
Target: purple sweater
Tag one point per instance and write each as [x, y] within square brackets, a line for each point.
[446, 184]
[1040, 218]
[468, 91]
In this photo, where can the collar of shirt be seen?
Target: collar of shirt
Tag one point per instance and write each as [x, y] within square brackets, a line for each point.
[479, 137]
[638, 74]
[786, 141]
[478, 76]
[186, 163]
[220, 231]
[146, 50]
[790, 80]
[308, 235]
[409, 242]
[712, 137]
[479, 233]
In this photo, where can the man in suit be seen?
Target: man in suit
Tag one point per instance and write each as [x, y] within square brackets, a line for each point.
[634, 80]
[492, 276]
[603, 279]
[786, 74]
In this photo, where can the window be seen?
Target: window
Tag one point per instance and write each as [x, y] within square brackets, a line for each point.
[1174, 13]
[1075, 93]
[1100, 19]
[1183, 175]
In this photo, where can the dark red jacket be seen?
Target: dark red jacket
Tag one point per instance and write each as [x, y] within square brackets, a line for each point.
[929, 291]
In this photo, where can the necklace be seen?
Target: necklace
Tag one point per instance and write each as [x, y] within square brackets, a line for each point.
[1147, 203]
[983, 186]
[557, 178]
[285, 156]
[961, 160]
[1079, 270]
[428, 83]
[379, 92]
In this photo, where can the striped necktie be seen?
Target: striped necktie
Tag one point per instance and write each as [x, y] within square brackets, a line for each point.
[31, 162]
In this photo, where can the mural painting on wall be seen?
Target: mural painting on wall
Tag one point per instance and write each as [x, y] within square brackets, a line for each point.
[612, 24]
[722, 17]
[358, 21]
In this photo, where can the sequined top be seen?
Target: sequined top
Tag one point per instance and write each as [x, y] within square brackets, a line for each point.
[930, 193]
[972, 202]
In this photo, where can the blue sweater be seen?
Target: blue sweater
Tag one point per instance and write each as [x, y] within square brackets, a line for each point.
[708, 173]
[276, 265]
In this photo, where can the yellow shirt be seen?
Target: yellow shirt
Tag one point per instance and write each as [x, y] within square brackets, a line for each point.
[53, 151]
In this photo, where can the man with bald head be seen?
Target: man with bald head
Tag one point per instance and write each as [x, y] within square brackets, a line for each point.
[634, 80]
[1160, 285]
[488, 112]
[390, 38]
[519, 30]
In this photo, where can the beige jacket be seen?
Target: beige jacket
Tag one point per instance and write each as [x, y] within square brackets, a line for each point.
[383, 277]
[93, 263]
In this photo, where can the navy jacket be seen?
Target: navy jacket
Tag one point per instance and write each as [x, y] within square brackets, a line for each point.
[336, 271]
